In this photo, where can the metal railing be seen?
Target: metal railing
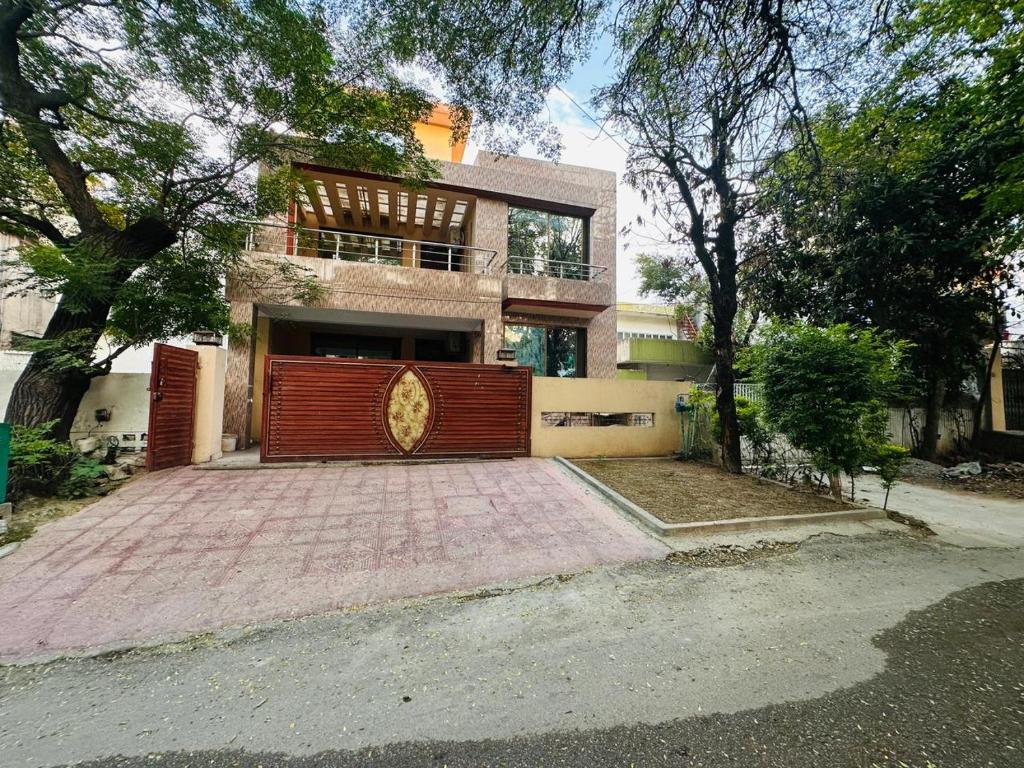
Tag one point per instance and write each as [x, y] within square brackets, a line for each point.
[368, 249]
[400, 251]
[565, 270]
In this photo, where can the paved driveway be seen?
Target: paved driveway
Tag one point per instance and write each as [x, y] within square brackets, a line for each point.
[187, 550]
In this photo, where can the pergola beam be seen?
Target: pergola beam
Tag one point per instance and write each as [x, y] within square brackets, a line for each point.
[332, 193]
[374, 206]
[314, 198]
[353, 201]
[428, 216]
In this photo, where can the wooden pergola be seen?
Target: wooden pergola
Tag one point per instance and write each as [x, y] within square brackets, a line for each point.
[372, 206]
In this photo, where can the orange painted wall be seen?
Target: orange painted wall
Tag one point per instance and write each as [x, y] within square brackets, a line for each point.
[435, 133]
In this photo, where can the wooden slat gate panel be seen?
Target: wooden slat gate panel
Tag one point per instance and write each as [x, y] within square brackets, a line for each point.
[320, 409]
[172, 407]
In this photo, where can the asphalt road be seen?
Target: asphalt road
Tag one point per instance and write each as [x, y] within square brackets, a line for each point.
[871, 651]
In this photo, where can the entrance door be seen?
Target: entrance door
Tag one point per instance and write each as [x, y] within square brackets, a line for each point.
[172, 407]
[317, 409]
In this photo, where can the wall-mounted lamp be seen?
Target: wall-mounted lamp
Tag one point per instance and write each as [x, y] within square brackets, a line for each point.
[208, 338]
[506, 355]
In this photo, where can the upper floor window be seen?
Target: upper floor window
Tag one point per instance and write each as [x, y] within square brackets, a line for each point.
[623, 335]
[543, 243]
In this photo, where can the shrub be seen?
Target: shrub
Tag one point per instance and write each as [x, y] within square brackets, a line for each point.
[825, 389]
[752, 427]
[81, 480]
[890, 459]
[42, 466]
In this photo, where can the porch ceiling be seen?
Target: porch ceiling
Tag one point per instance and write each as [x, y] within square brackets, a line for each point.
[380, 319]
[380, 207]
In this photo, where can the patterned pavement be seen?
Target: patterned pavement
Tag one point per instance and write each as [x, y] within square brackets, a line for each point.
[186, 550]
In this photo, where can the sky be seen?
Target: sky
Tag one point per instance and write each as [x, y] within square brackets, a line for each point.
[584, 143]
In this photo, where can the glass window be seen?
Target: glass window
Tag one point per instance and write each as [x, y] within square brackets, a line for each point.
[548, 351]
[542, 243]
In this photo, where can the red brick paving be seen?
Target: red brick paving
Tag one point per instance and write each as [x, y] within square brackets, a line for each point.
[187, 550]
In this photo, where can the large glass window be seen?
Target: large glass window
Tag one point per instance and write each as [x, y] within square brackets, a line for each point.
[548, 351]
[542, 243]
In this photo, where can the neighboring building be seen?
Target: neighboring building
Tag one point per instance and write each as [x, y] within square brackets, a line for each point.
[655, 344]
[653, 321]
[504, 253]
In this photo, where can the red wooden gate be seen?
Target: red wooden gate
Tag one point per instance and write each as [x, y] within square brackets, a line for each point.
[172, 407]
[317, 409]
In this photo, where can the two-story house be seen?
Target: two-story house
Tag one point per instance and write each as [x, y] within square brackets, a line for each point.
[502, 258]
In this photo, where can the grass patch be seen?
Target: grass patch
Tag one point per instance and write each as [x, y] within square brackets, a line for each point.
[689, 491]
[32, 512]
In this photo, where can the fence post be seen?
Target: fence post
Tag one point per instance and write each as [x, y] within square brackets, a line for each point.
[997, 407]
[5, 456]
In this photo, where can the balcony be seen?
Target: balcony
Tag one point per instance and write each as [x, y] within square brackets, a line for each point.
[661, 352]
[388, 250]
[282, 240]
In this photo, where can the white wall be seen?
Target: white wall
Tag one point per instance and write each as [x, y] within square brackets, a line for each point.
[659, 325]
[125, 395]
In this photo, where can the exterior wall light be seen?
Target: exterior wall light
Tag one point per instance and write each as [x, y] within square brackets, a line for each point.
[506, 355]
[207, 338]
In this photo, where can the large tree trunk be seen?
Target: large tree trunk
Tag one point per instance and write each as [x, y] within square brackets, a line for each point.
[725, 402]
[47, 392]
[932, 417]
[724, 303]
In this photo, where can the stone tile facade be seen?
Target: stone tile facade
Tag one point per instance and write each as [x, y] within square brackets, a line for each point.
[495, 182]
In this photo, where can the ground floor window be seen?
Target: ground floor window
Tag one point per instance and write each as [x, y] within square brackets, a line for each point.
[549, 351]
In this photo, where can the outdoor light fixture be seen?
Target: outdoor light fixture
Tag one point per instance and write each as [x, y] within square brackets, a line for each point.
[211, 338]
[506, 355]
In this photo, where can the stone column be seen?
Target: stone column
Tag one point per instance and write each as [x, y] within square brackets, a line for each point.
[997, 412]
[238, 377]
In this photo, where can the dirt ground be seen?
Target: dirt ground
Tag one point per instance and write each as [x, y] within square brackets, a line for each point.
[688, 491]
[985, 484]
[999, 478]
[33, 512]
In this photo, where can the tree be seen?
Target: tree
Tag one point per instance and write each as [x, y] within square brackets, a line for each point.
[705, 93]
[826, 391]
[890, 459]
[130, 132]
[892, 226]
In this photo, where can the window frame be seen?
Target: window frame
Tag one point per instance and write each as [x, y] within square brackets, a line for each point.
[548, 213]
[581, 346]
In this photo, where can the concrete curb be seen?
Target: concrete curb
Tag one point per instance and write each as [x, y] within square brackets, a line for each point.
[719, 526]
[8, 549]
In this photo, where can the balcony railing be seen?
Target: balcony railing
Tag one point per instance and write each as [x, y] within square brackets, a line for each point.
[368, 249]
[664, 351]
[566, 270]
[399, 251]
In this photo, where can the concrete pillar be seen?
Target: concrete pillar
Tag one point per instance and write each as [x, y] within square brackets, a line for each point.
[261, 343]
[209, 419]
[997, 411]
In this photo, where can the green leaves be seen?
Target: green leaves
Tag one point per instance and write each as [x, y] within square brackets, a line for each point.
[826, 390]
[890, 226]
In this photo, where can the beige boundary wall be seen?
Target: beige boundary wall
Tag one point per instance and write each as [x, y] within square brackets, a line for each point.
[605, 396]
[209, 422]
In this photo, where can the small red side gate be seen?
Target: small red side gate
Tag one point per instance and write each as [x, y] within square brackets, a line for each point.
[319, 409]
[172, 407]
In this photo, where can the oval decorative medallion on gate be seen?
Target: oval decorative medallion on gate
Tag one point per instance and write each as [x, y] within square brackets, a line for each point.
[407, 410]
